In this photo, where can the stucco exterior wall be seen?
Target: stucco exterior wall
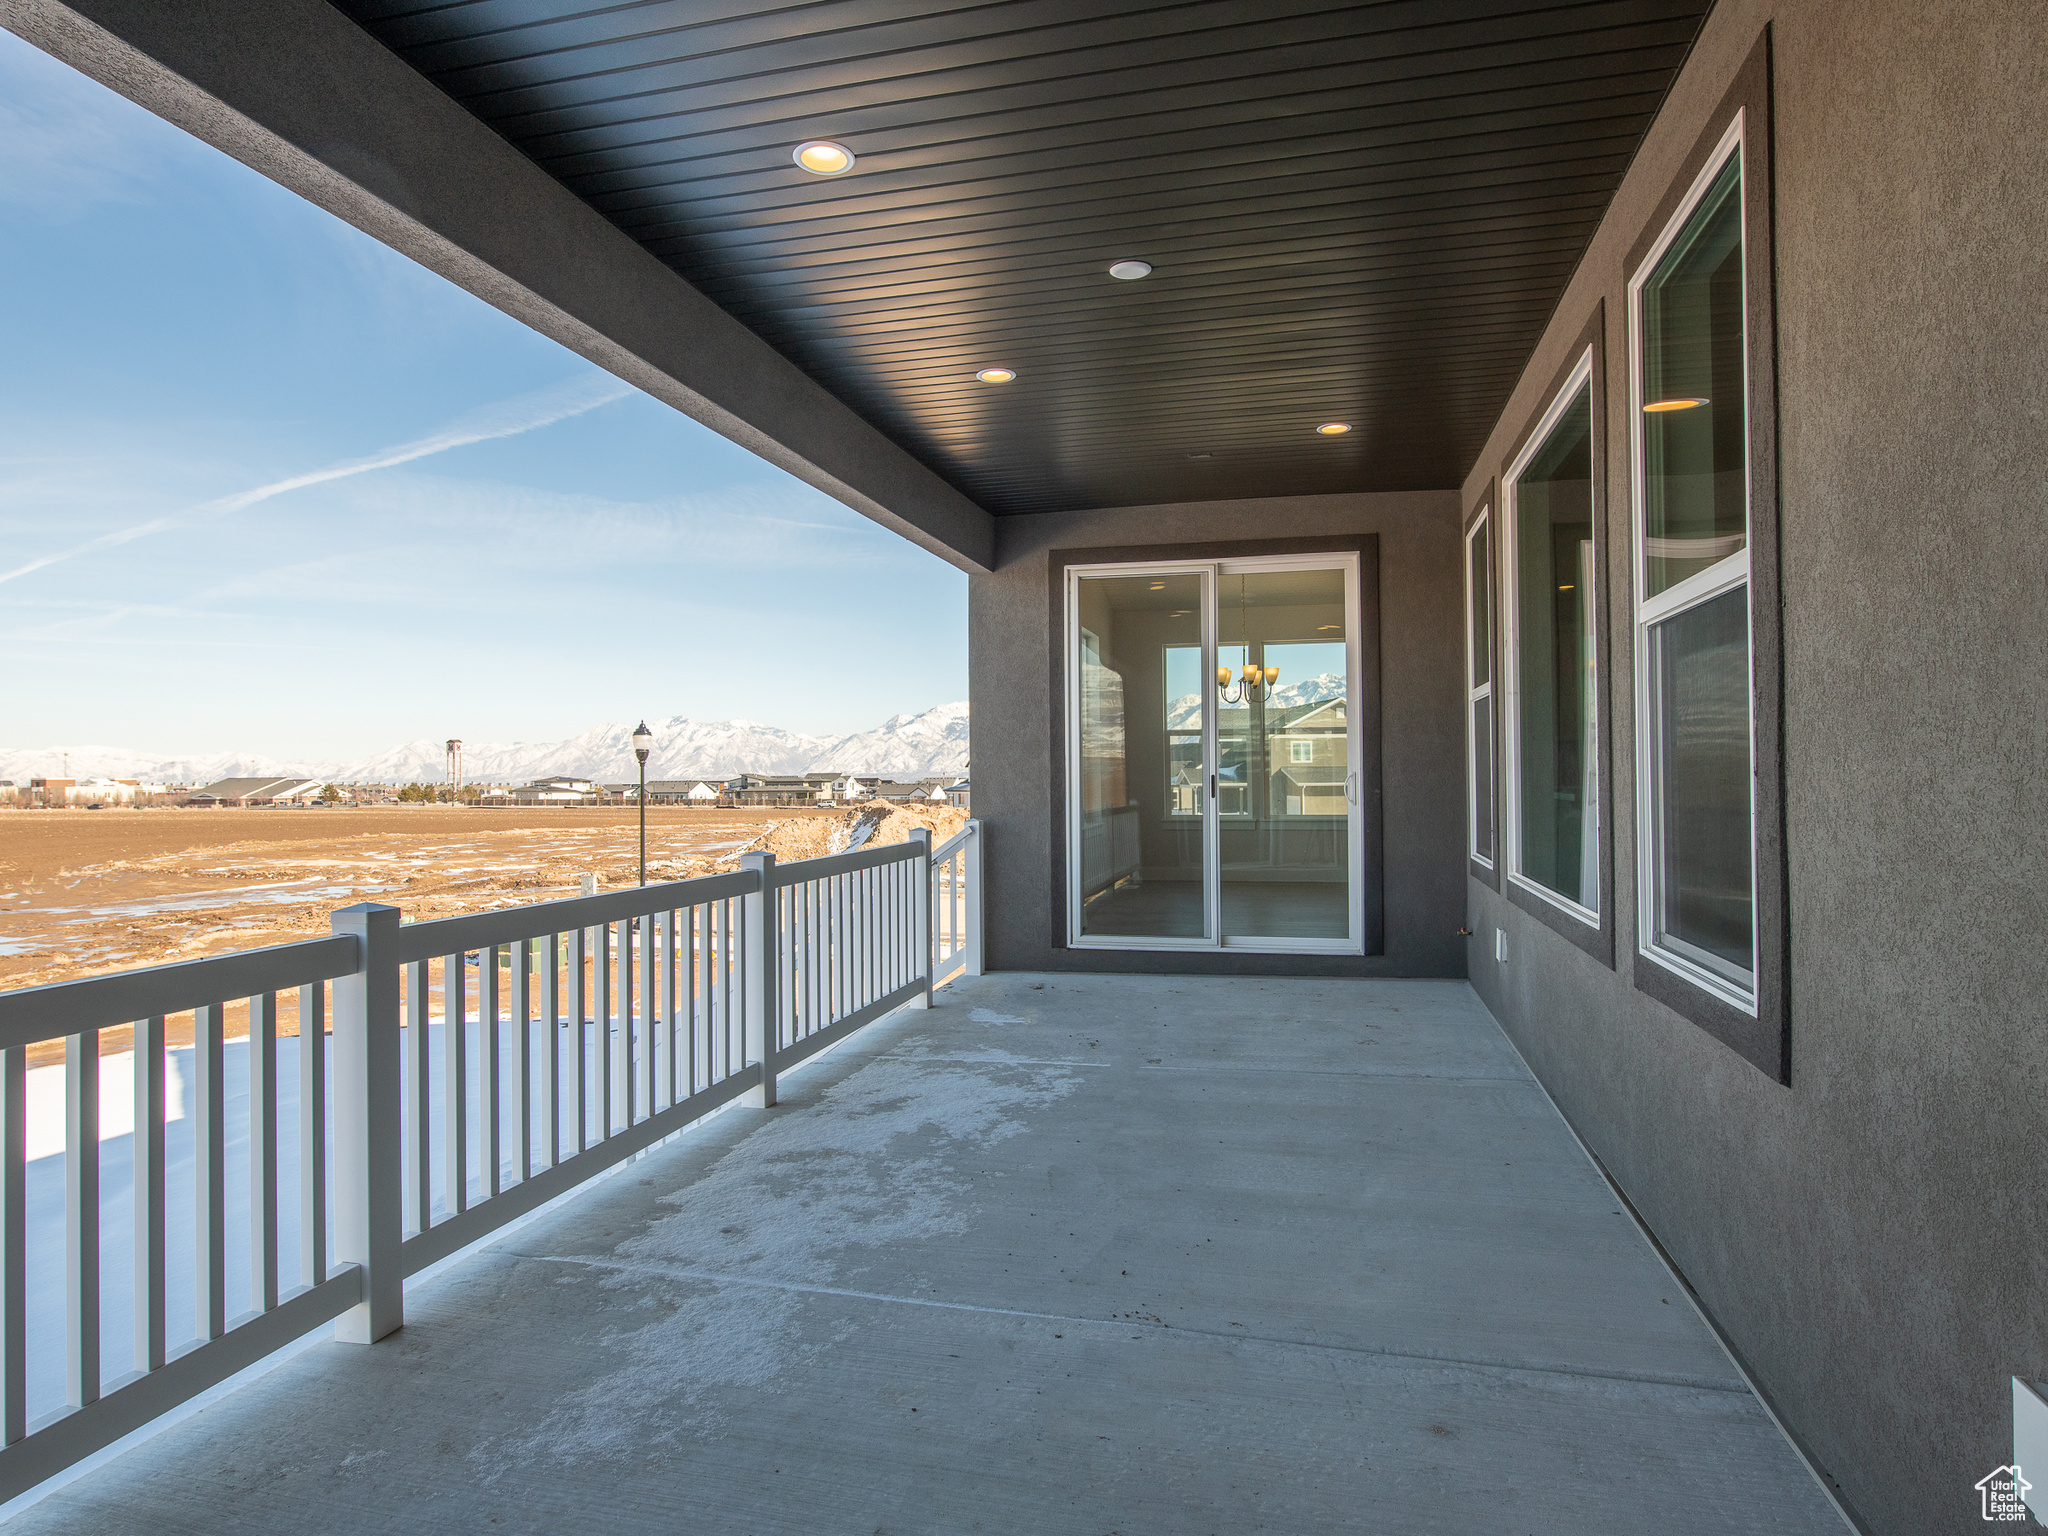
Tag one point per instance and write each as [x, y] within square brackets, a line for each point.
[1011, 643]
[1866, 1237]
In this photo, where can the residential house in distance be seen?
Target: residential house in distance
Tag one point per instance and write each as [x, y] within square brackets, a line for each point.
[780, 789]
[922, 791]
[677, 792]
[560, 790]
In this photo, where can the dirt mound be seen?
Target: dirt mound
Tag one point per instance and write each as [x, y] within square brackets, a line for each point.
[873, 824]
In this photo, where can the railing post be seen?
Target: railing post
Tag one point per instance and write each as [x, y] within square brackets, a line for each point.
[761, 973]
[368, 1176]
[921, 912]
[970, 870]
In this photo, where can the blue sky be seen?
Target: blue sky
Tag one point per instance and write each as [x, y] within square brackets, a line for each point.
[230, 517]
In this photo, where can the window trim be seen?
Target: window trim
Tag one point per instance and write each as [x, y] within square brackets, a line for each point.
[1757, 1027]
[1487, 869]
[1579, 377]
[1597, 940]
[1702, 587]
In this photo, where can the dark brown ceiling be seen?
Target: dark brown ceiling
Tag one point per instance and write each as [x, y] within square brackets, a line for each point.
[1355, 212]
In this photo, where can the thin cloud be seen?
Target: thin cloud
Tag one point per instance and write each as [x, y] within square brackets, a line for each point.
[508, 418]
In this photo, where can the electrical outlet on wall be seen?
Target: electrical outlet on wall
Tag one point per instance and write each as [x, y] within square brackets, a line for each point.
[1500, 945]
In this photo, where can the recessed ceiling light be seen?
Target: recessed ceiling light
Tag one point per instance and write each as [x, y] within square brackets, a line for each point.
[1677, 403]
[1131, 271]
[996, 375]
[1334, 428]
[823, 157]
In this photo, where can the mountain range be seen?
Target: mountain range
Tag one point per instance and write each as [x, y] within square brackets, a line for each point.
[929, 744]
[1185, 712]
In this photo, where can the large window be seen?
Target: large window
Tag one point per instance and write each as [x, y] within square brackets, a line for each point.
[1696, 747]
[1551, 664]
[1479, 689]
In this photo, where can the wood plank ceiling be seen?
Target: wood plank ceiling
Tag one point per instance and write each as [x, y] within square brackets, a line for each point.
[1357, 213]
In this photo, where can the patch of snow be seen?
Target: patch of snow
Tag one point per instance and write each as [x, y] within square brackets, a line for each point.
[990, 1016]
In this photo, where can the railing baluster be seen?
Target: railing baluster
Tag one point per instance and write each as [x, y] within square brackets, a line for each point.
[650, 1013]
[719, 1046]
[488, 1077]
[522, 1027]
[661, 1053]
[579, 1015]
[419, 1067]
[697, 978]
[789, 911]
[312, 1133]
[781, 960]
[859, 897]
[209, 1170]
[608, 969]
[147, 1199]
[82, 1218]
[263, 1151]
[813, 962]
[631, 981]
[551, 1059]
[455, 1081]
[679, 959]
[13, 1243]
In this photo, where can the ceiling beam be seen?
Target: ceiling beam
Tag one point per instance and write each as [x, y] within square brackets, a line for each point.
[295, 90]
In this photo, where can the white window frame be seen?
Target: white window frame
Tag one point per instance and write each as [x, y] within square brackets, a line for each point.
[1300, 750]
[1479, 693]
[1509, 749]
[1723, 576]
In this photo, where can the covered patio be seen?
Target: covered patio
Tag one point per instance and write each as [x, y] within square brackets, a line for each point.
[1063, 1254]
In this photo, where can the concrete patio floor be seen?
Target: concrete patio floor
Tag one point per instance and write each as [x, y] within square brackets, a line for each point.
[1065, 1254]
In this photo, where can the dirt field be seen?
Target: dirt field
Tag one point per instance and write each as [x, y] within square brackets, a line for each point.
[87, 892]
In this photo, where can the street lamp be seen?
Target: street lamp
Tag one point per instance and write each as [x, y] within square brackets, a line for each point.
[643, 740]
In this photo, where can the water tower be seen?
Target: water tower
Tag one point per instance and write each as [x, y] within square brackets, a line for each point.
[455, 764]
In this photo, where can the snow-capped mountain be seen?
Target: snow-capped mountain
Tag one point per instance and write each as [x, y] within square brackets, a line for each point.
[23, 764]
[901, 747]
[932, 743]
[1185, 713]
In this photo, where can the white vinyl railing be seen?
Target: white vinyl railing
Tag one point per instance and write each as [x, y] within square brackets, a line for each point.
[380, 1099]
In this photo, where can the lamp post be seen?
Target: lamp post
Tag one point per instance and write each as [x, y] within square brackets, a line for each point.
[643, 739]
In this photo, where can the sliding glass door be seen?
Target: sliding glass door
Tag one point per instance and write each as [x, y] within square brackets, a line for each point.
[1212, 781]
[1139, 832]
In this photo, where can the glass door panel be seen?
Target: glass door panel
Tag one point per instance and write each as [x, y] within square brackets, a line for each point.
[1141, 784]
[1284, 791]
